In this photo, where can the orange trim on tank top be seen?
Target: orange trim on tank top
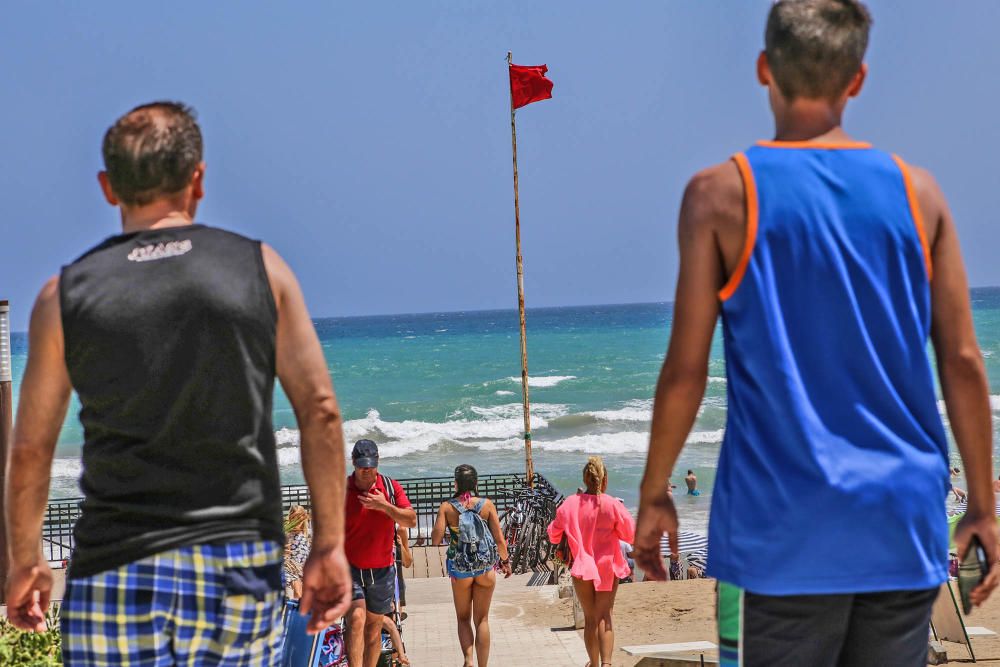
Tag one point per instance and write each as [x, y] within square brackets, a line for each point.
[815, 144]
[918, 216]
[750, 188]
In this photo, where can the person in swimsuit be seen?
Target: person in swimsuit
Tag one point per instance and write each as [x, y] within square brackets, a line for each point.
[692, 484]
[472, 590]
[594, 524]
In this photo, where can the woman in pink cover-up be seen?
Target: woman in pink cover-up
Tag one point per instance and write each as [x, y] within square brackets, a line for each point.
[593, 523]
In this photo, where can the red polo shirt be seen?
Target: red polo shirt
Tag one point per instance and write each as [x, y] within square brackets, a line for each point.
[369, 535]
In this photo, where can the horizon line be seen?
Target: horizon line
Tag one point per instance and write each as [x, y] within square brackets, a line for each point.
[512, 308]
[527, 308]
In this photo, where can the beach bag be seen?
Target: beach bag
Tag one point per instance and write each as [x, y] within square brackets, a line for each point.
[476, 549]
[563, 553]
[300, 649]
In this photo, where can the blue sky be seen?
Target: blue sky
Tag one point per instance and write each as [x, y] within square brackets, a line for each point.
[369, 142]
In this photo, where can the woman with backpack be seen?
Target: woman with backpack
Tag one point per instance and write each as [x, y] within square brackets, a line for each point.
[592, 523]
[477, 548]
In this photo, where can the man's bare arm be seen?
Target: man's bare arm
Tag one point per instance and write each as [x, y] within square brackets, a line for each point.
[712, 202]
[45, 392]
[961, 371]
[405, 517]
[682, 379]
[304, 376]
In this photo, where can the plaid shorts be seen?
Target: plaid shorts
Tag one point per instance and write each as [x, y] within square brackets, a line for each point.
[205, 604]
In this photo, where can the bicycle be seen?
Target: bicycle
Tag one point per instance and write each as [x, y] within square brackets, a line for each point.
[525, 524]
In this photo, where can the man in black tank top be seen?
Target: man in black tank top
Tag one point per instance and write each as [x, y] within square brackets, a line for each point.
[172, 333]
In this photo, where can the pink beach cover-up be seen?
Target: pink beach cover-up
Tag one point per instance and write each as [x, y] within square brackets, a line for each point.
[593, 525]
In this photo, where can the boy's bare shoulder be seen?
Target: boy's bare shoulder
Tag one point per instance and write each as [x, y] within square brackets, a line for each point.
[933, 205]
[714, 198]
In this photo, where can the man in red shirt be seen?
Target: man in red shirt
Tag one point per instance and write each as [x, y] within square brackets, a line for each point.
[373, 512]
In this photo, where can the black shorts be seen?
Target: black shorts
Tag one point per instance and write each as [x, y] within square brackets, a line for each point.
[860, 630]
[376, 587]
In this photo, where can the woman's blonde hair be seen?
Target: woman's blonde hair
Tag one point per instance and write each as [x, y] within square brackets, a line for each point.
[595, 474]
[298, 519]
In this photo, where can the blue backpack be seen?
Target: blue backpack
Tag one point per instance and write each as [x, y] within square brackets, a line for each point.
[476, 549]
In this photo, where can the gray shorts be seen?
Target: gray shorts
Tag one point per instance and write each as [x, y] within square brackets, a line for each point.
[376, 587]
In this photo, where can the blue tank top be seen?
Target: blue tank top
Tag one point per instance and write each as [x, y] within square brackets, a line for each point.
[833, 471]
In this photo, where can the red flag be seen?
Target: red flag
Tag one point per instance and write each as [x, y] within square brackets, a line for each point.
[528, 84]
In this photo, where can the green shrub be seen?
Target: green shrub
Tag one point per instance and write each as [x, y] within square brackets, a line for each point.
[30, 649]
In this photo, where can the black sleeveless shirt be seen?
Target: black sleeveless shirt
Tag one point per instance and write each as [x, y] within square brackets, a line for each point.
[170, 345]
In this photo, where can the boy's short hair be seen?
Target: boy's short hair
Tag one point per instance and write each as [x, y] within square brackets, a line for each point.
[815, 47]
[152, 151]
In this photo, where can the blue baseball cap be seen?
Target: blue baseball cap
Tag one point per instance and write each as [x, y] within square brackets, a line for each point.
[365, 454]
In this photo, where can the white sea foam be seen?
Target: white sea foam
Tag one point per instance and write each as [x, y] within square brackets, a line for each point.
[707, 437]
[503, 392]
[457, 430]
[626, 442]
[543, 381]
[714, 380]
[994, 405]
[632, 411]
[515, 410]
[286, 436]
[67, 467]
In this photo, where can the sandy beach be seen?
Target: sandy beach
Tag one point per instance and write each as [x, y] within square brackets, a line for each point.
[684, 611]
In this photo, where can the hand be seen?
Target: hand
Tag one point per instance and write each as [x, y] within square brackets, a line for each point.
[326, 587]
[505, 568]
[374, 500]
[657, 515]
[29, 588]
[985, 528]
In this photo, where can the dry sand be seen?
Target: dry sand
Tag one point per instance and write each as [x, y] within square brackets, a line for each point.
[684, 611]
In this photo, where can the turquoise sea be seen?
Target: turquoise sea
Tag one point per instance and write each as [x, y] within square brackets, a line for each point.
[435, 390]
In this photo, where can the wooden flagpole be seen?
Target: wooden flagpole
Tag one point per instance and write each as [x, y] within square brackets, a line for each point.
[529, 466]
[6, 407]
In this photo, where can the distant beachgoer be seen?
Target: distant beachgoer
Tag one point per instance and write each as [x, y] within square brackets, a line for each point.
[594, 525]
[172, 334]
[996, 485]
[375, 506]
[627, 555]
[477, 548]
[692, 483]
[819, 252]
[959, 494]
[297, 544]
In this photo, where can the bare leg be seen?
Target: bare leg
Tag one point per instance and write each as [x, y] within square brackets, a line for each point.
[482, 596]
[604, 604]
[461, 591]
[389, 626]
[585, 594]
[356, 632]
[373, 638]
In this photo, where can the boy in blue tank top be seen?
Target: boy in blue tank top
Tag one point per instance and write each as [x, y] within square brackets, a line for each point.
[831, 263]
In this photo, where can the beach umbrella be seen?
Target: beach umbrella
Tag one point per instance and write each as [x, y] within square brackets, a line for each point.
[690, 545]
[687, 543]
[961, 506]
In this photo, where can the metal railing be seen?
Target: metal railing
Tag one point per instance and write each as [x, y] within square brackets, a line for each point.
[425, 493]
